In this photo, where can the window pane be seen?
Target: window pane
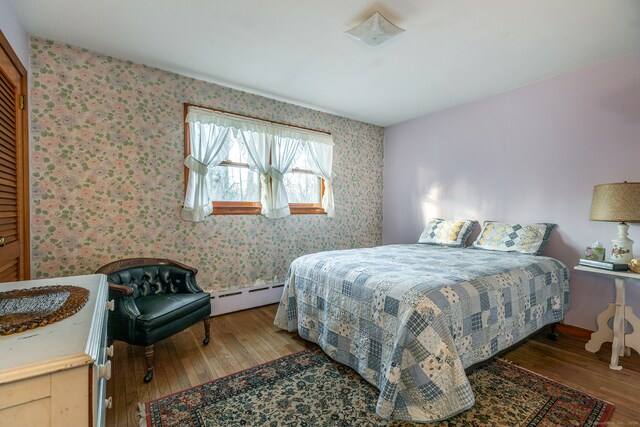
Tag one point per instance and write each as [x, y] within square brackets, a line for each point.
[233, 184]
[302, 187]
[237, 153]
[301, 161]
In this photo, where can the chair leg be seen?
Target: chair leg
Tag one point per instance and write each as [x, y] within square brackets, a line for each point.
[207, 335]
[148, 358]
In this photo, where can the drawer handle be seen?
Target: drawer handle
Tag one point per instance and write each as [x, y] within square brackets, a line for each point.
[109, 351]
[111, 305]
[108, 403]
[1, 241]
[104, 371]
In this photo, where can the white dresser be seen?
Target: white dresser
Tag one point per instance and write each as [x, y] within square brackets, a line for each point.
[56, 375]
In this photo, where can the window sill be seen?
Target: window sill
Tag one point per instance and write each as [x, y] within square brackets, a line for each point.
[247, 208]
[236, 208]
[306, 209]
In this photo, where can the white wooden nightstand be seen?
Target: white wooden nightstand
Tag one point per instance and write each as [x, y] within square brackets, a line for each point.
[622, 343]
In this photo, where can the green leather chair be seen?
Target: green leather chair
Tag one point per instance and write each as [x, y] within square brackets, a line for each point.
[154, 299]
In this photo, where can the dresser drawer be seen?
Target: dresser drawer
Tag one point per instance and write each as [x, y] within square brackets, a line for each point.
[17, 393]
[26, 402]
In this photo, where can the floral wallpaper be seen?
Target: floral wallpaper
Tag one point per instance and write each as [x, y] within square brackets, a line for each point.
[107, 182]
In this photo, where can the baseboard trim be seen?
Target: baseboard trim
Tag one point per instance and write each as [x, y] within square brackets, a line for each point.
[238, 299]
[574, 331]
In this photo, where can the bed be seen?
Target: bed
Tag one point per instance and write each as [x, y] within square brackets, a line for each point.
[410, 318]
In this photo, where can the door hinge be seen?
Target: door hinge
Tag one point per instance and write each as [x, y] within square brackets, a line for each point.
[22, 102]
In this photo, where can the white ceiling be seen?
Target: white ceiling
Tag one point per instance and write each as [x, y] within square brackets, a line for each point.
[453, 51]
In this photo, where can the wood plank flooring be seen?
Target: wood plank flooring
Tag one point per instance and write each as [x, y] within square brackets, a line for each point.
[248, 338]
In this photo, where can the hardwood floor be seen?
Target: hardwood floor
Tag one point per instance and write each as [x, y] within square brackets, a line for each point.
[248, 338]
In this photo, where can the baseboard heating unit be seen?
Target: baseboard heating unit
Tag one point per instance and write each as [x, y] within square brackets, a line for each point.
[238, 299]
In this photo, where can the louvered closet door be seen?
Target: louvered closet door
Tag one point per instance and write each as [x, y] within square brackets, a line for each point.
[13, 266]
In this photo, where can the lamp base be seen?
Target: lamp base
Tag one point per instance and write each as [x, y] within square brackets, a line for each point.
[622, 245]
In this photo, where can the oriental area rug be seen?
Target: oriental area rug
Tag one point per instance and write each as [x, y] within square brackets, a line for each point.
[309, 389]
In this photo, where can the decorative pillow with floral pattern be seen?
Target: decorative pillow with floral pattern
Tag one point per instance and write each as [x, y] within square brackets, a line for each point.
[452, 233]
[506, 237]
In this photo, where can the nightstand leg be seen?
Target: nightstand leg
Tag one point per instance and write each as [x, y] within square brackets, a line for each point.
[632, 340]
[618, 326]
[604, 333]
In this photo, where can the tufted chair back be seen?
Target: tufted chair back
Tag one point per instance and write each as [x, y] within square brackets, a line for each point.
[151, 276]
[152, 279]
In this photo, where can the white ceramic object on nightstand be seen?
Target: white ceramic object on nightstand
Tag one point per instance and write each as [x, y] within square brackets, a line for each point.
[622, 246]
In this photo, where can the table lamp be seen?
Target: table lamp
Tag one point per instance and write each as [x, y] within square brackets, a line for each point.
[617, 202]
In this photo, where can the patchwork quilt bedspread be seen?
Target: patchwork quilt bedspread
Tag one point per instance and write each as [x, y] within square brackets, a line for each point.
[411, 318]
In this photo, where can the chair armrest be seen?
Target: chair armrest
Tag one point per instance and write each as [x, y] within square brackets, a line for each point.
[122, 320]
[125, 291]
[193, 270]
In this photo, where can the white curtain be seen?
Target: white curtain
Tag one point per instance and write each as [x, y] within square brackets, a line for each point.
[258, 148]
[264, 142]
[283, 153]
[320, 156]
[209, 147]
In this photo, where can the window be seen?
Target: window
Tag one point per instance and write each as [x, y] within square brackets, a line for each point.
[233, 187]
[244, 158]
[304, 188]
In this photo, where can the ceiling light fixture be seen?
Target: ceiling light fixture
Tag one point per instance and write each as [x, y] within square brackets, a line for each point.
[375, 30]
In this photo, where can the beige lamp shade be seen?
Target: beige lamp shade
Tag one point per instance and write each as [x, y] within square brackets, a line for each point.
[617, 202]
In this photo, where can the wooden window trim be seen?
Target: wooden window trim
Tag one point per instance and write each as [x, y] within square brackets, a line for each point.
[237, 208]
[307, 209]
[249, 208]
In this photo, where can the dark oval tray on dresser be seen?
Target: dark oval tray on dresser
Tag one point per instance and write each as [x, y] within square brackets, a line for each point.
[24, 309]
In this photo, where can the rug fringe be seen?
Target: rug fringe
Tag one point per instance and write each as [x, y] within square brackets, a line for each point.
[142, 415]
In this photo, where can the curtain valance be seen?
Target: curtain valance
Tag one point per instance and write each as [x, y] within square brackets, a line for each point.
[239, 123]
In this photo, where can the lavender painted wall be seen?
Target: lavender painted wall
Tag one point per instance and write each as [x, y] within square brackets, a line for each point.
[529, 155]
[14, 32]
